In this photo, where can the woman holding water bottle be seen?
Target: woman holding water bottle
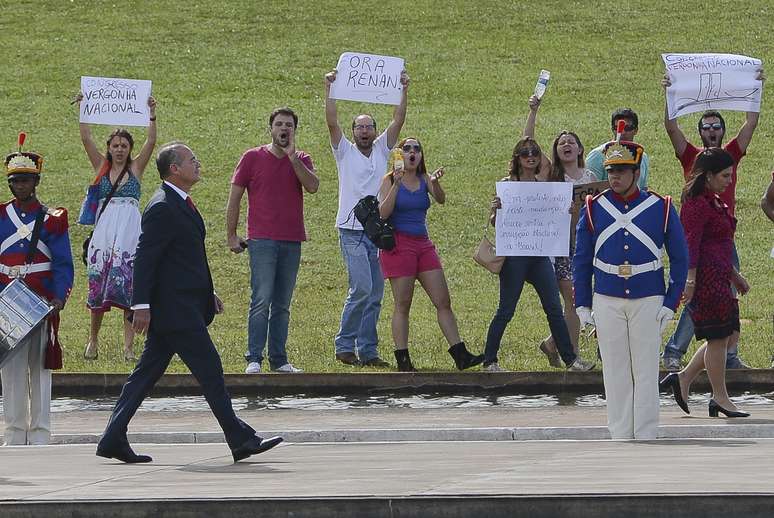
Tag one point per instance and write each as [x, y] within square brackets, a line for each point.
[565, 165]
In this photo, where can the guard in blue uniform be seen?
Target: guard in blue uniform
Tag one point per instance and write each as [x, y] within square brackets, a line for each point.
[26, 378]
[621, 236]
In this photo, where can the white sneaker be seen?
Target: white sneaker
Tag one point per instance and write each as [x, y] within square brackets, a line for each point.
[288, 368]
[253, 368]
[493, 367]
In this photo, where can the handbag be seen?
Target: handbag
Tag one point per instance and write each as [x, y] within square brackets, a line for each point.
[485, 254]
[85, 251]
[380, 232]
[88, 213]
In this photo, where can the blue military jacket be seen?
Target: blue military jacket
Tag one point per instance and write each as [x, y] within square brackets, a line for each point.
[621, 241]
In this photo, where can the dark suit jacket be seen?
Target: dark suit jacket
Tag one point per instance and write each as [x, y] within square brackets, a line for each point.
[170, 268]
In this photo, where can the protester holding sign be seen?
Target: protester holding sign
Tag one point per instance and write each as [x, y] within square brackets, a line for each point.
[112, 246]
[536, 270]
[620, 240]
[404, 198]
[712, 130]
[361, 164]
[567, 164]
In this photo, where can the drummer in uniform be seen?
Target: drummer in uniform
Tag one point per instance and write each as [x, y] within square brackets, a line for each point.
[621, 235]
[26, 377]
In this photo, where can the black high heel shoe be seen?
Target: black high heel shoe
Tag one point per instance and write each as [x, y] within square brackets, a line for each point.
[672, 380]
[714, 408]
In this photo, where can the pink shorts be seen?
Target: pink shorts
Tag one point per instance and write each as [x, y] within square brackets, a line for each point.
[412, 255]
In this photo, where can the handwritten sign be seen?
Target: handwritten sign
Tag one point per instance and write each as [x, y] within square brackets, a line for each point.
[712, 82]
[115, 102]
[534, 219]
[579, 193]
[368, 78]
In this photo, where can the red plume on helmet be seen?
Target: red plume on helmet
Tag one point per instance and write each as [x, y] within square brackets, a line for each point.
[22, 138]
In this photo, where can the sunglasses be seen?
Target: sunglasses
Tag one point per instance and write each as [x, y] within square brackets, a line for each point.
[714, 125]
[412, 147]
[529, 152]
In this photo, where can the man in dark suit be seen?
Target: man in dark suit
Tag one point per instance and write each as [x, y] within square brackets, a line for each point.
[173, 303]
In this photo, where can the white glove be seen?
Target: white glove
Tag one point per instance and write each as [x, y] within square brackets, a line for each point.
[664, 316]
[585, 315]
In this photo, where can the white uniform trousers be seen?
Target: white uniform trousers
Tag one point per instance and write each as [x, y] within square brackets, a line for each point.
[27, 393]
[629, 341]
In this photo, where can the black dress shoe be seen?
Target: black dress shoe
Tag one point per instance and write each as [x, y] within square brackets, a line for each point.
[123, 453]
[254, 446]
[672, 380]
[714, 408]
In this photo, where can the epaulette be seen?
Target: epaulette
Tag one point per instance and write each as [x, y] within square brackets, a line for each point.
[56, 220]
[667, 204]
[589, 200]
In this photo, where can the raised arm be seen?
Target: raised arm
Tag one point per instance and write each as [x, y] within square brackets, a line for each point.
[388, 192]
[141, 160]
[331, 117]
[529, 128]
[95, 157]
[529, 131]
[434, 186]
[676, 135]
[745, 135]
[399, 115]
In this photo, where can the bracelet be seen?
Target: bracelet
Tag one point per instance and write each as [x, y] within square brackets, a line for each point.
[153, 119]
[690, 282]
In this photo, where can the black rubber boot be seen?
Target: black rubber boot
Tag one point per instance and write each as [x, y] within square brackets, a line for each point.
[463, 358]
[404, 360]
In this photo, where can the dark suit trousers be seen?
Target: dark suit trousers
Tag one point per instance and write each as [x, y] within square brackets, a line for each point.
[198, 352]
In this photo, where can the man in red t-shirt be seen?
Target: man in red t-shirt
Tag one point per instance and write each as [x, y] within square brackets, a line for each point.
[274, 176]
[712, 129]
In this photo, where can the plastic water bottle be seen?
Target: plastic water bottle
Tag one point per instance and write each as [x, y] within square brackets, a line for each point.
[542, 83]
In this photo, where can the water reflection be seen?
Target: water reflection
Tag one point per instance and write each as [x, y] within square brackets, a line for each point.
[417, 401]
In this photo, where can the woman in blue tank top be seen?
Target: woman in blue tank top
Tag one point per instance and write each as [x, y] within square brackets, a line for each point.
[404, 199]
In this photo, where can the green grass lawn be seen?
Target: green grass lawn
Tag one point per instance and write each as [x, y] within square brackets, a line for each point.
[219, 69]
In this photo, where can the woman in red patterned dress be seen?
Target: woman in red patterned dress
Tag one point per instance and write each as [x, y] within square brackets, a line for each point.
[709, 231]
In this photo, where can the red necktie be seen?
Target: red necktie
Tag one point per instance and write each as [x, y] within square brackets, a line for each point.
[190, 203]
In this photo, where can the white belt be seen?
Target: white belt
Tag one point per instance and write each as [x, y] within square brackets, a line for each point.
[23, 269]
[627, 270]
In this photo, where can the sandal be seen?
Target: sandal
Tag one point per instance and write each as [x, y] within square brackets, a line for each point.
[554, 360]
[129, 356]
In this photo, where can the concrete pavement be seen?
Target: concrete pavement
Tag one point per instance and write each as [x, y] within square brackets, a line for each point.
[710, 477]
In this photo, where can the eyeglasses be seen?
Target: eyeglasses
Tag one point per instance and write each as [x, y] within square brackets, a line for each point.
[412, 147]
[364, 126]
[529, 152]
[714, 125]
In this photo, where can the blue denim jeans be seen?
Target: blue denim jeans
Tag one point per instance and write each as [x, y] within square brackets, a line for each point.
[360, 315]
[539, 272]
[678, 343]
[273, 270]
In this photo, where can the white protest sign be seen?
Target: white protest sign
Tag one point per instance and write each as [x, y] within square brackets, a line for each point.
[712, 82]
[114, 101]
[534, 219]
[368, 78]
